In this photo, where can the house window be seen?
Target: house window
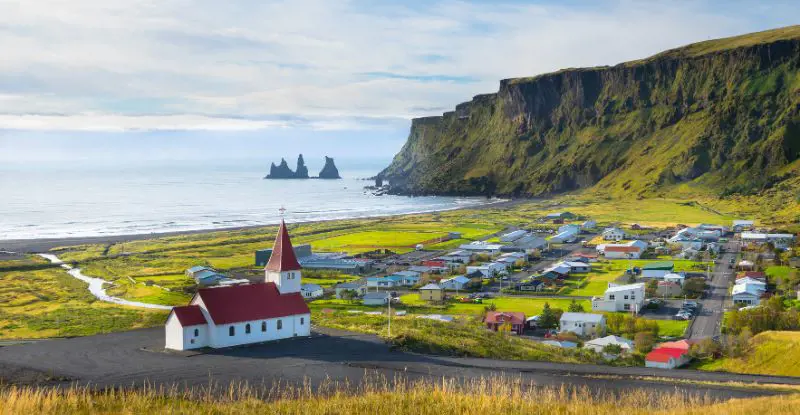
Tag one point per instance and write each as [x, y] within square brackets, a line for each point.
[231, 331]
[280, 324]
[633, 297]
[626, 297]
[611, 297]
[263, 326]
[302, 320]
[196, 332]
[626, 307]
[247, 328]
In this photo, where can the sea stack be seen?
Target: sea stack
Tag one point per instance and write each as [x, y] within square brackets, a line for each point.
[302, 171]
[329, 171]
[281, 171]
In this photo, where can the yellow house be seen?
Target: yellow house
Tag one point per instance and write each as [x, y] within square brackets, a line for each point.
[431, 292]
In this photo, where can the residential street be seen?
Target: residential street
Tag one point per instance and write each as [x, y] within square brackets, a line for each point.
[709, 320]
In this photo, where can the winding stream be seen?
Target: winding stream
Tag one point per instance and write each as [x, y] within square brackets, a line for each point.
[96, 286]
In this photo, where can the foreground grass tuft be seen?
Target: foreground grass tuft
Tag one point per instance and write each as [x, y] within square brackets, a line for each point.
[485, 396]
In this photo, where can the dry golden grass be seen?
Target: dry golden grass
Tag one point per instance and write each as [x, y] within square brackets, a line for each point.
[488, 396]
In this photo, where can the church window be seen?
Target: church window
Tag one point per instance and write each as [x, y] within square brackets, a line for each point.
[280, 324]
[302, 320]
[196, 332]
[263, 326]
[247, 328]
[231, 331]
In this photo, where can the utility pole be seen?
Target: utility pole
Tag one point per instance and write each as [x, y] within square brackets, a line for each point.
[390, 314]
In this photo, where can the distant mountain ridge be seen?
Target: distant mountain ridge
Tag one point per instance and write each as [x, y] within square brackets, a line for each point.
[282, 171]
[721, 117]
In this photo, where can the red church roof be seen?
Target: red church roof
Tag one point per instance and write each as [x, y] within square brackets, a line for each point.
[283, 258]
[189, 315]
[249, 302]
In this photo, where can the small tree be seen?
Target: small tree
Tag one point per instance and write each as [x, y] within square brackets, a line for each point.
[614, 349]
[547, 319]
[575, 307]
[644, 341]
[349, 295]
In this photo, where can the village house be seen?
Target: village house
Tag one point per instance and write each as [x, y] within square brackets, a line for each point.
[431, 292]
[457, 258]
[657, 269]
[495, 319]
[311, 291]
[459, 282]
[629, 250]
[669, 355]
[528, 242]
[577, 267]
[628, 297]
[588, 225]
[583, 324]
[678, 278]
[513, 236]
[666, 358]
[748, 291]
[532, 285]
[359, 288]
[600, 343]
[488, 270]
[376, 298]
[243, 314]
[668, 289]
[742, 225]
[779, 240]
[613, 234]
[481, 247]
[566, 233]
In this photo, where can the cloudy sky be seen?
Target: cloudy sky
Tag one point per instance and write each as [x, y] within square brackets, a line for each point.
[211, 78]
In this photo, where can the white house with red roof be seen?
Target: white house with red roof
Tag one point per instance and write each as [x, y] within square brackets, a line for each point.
[243, 314]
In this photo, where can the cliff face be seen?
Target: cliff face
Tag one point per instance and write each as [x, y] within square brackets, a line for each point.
[722, 115]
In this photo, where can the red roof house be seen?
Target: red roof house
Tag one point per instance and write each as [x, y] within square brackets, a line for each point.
[495, 319]
[667, 357]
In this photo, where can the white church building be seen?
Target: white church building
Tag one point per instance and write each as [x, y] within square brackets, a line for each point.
[242, 314]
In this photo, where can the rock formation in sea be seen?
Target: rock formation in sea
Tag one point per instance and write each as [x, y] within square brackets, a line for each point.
[281, 171]
[302, 171]
[329, 171]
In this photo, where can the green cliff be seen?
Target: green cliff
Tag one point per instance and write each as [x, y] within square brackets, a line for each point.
[720, 117]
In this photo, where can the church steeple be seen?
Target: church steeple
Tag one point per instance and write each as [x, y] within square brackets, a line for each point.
[283, 257]
[283, 269]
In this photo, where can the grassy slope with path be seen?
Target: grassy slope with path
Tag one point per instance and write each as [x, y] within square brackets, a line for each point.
[773, 353]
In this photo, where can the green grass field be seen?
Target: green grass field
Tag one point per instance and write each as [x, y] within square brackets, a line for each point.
[773, 353]
[51, 303]
[595, 282]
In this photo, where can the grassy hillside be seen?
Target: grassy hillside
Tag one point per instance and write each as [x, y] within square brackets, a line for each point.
[491, 396]
[718, 118]
[773, 353]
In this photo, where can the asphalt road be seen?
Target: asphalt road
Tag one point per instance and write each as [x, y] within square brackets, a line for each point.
[708, 322]
[135, 357]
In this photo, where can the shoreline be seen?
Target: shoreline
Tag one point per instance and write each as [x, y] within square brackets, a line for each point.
[43, 245]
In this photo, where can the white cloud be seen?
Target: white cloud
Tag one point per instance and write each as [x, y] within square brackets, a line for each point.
[206, 64]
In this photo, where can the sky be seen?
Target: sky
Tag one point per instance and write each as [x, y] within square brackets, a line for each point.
[201, 79]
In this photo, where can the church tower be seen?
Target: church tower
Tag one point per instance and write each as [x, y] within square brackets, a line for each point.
[283, 268]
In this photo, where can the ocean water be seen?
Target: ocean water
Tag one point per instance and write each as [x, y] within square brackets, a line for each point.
[76, 199]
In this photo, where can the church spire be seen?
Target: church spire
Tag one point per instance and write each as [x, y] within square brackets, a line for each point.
[283, 257]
